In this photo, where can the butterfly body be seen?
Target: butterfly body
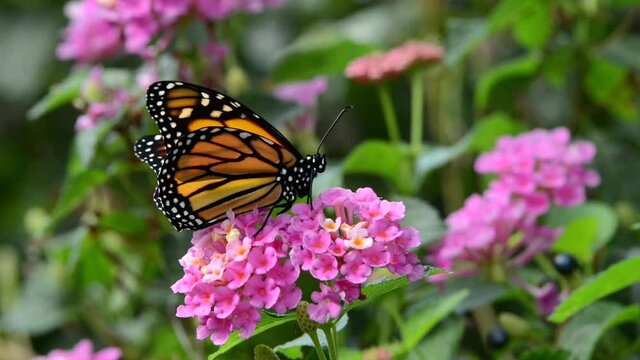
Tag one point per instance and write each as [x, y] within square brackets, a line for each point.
[214, 154]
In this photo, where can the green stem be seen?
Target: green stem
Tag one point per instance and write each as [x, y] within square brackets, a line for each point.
[316, 343]
[331, 341]
[389, 113]
[334, 333]
[417, 117]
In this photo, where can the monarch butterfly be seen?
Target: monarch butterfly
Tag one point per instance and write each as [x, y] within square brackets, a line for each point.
[214, 154]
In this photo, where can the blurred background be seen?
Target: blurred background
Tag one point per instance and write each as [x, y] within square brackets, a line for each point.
[97, 261]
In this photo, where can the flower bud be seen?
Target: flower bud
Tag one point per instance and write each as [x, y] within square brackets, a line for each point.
[304, 321]
[263, 352]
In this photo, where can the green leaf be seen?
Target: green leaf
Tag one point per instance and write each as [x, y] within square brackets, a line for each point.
[385, 285]
[324, 59]
[84, 146]
[423, 217]
[546, 353]
[605, 218]
[265, 324]
[623, 51]
[74, 192]
[534, 30]
[93, 265]
[60, 94]
[490, 128]
[380, 158]
[509, 12]
[521, 67]
[577, 238]
[442, 344]
[125, 223]
[463, 36]
[616, 277]
[582, 332]
[421, 321]
[603, 78]
[434, 157]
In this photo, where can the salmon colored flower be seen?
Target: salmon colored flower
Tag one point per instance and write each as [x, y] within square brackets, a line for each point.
[380, 67]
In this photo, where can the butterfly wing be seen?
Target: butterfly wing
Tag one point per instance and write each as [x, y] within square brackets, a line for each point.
[181, 108]
[151, 150]
[214, 169]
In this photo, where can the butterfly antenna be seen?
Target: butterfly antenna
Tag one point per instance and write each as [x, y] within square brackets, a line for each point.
[332, 125]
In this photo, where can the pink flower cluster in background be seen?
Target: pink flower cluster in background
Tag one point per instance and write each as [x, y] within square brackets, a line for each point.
[83, 350]
[535, 170]
[305, 94]
[379, 67]
[100, 29]
[102, 101]
[341, 250]
[230, 275]
[542, 167]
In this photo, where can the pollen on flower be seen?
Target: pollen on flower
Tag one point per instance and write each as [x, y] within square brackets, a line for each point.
[331, 225]
[232, 235]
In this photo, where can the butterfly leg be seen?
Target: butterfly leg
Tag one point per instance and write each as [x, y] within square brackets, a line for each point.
[309, 195]
[264, 222]
[285, 208]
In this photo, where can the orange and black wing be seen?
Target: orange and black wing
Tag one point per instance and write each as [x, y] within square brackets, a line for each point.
[214, 169]
[180, 108]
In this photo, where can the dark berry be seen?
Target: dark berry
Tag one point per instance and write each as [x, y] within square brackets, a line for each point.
[497, 338]
[565, 263]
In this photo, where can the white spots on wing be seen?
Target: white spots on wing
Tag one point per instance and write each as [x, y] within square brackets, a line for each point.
[216, 113]
[244, 135]
[161, 92]
[235, 104]
[219, 96]
[204, 95]
[226, 108]
[159, 103]
[267, 141]
[170, 86]
[204, 102]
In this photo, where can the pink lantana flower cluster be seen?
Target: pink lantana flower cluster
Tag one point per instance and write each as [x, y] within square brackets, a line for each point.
[535, 170]
[100, 29]
[83, 350]
[542, 167]
[380, 67]
[229, 276]
[343, 238]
